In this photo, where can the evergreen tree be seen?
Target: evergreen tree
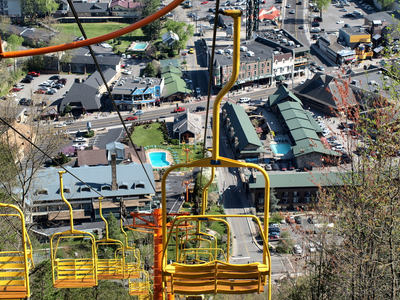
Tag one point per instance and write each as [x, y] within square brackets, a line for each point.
[152, 30]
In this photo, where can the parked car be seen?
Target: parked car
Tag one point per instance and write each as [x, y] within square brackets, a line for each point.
[55, 77]
[80, 139]
[138, 112]
[289, 219]
[131, 118]
[275, 167]
[290, 166]
[297, 250]
[283, 167]
[198, 91]
[268, 167]
[127, 72]
[273, 236]
[34, 74]
[69, 122]
[15, 90]
[26, 80]
[297, 219]
[314, 24]
[310, 220]
[179, 109]
[311, 247]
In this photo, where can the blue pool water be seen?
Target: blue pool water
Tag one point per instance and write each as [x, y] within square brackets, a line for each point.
[140, 46]
[158, 159]
[281, 148]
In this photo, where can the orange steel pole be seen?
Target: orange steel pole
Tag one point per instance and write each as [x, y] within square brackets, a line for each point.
[95, 40]
[158, 249]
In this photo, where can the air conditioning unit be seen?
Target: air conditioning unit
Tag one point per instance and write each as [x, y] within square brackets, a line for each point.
[302, 150]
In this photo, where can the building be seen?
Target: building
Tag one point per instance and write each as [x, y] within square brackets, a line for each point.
[86, 96]
[169, 38]
[122, 184]
[137, 92]
[337, 53]
[93, 156]
[294, 190]
[301, 129]
[10, 7]
[358, 39]
[240, 133]
[126, 8]
[187, 128]
[82, 62]
[89, 9]
[175, 87]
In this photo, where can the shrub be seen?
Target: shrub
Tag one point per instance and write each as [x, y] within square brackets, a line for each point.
[175, 142]
[89, 134]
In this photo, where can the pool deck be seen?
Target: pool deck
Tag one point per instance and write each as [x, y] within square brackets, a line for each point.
[169, 157]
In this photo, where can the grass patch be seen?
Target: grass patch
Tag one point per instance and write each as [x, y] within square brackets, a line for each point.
[146, 137]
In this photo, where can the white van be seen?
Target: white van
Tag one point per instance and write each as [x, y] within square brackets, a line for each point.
[243, 48]
[229, 51]
[244, 100]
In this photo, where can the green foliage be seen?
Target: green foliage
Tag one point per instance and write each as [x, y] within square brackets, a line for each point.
[285, 243]
[146, 137]
[276, 218]
[14, 42]
[175, 142]
[61, 158]
[386, 4]
[183, 30]
[273, 201]
[152, 30]
[32, 7]
[89, 134]
[114, 230]
[34, 63]
[67, 109]
[322, 5]
[200, 182]
[150, 70]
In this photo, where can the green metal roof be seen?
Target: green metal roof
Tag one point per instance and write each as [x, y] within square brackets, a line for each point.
[299, 123]
[281, 94]
[174, 84]
[293, 114]
[290, 105]
[297, 179]
[243, 128]
[170, 69]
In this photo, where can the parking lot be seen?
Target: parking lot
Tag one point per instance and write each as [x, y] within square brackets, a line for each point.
[28, 91]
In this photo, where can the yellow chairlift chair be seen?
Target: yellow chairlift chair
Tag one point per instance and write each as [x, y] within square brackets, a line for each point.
[141, 286]
[132, 258]
[217, 276]
[112, 268]
[73, 272]
[15, 265]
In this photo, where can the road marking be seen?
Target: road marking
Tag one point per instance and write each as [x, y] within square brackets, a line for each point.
[236, 258]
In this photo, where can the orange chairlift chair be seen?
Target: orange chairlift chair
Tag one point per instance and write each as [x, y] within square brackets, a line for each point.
[112, 268]
[15, 265]
[73, 272]
[217, 276]
[132, 262]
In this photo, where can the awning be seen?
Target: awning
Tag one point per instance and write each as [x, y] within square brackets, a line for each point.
[280, 77]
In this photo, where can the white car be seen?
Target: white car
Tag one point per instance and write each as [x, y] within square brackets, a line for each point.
[244, 100]
[80, 139]
[60, 125]
[139, 112]
[79, 145]
[302, 82]
[198, 91]
[288, 6]
[297, 249]
[311, 247]
[127, 72]
[292, 11]
[340, 22]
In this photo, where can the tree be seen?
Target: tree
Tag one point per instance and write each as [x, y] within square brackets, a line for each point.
[322, 5]
[386, 4]
[61, 158]
[152, 30]
[150, 70]
[14, 42]
[67, 109]
[114, 231]
[183, 30]
[35, 63]
[273, 201]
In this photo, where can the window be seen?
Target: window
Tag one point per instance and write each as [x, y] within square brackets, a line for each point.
[262, 65]
[249, 74]
[255, 67]
[106, 188]
[283, 60]
[42, 192]
[66, 190]
[140, 185]
[262, 71]
[85, 189]
[267, 64]
[261, 199]
[255, 73]
[123, 187]
[249, 67]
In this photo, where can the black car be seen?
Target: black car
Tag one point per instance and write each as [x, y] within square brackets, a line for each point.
[297, 219]
[55, 77]
[310, 220]
[26, 80]
[274, 230]
[200, 108]
[313, 63]
[301, 27]
[315, 24]
[316, 36]
[346, 26]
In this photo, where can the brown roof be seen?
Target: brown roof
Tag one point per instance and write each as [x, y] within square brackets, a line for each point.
[92, 157]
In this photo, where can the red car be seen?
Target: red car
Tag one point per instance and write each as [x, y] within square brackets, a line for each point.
[15, 90]
[131, 118]
[40, 92]
[204, 2]
[179, 109]
[34, 74]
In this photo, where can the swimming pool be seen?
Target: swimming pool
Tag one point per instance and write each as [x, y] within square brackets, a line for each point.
[281, 148]
[140, 46]
[158, 159]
